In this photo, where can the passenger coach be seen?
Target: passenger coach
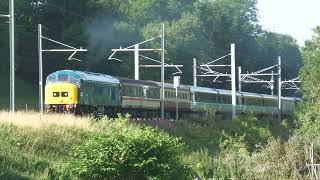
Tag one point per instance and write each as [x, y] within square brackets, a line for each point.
[86, 92]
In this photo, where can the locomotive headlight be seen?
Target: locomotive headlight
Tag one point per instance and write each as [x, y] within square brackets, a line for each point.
[64, 94]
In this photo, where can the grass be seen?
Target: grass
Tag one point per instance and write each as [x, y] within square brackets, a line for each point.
[35, 120]
[224, 149]
[32, 145]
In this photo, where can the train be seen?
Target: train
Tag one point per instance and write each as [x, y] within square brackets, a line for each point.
[80, 92]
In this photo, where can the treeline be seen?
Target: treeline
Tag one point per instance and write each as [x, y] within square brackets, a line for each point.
[201, 29]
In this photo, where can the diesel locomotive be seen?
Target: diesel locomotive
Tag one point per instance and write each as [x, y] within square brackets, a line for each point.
[81, 92]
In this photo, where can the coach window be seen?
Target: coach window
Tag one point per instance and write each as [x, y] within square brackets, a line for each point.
[131, 91]
[141, 92]
[144, 92]
[113, 93]
[100, 89]
[215, 97]
[222, 99]
[138, 92]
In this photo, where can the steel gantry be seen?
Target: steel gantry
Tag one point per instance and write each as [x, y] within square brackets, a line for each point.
[209, 70]
[12, 54]
[259, 77]
[292, 84]
[71, 49]
[160, 64]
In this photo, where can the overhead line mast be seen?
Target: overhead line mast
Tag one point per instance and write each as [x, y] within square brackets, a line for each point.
[12, 55]
[162, 71]
[71, 49]
[209, 71]
[12, 58]
[160, 64]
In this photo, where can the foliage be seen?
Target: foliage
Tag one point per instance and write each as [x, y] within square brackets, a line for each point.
[202, 29]
[310, 77]
[63, 148]
[27, 153]
[222, 149]
[279, 159]
[124, 151]
[276, 160]
[245, 134]
[221, 166]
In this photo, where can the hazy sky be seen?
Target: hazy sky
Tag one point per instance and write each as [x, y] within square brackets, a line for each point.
[294, 17]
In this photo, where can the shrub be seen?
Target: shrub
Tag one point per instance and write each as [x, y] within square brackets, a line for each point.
[244, 134]
[279, 160]
[127, 151]
[225, 165]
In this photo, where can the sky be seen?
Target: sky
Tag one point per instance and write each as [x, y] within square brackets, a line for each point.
[294, 17]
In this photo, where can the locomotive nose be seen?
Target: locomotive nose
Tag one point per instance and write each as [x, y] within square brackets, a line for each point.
[61, 93]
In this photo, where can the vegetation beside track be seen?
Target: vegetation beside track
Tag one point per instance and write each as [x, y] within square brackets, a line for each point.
[63, 147]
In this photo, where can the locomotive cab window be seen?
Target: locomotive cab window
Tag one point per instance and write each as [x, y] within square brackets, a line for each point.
[51, 79]
[62, 77]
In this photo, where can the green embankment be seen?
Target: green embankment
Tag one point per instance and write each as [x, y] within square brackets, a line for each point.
[246, 148]
[30, 154]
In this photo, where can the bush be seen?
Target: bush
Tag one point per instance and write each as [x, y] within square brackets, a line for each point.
[126, 151]
[225, 165]
[280, 160]
[244, 134]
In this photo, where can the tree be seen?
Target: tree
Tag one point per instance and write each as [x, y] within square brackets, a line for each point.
[194, 29]
[309, 115]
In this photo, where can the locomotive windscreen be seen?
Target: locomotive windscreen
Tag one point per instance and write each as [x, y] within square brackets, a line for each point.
[63, 77]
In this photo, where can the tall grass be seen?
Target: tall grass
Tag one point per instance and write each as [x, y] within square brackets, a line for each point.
[36, 120]
[31, 144]
[34, 146]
